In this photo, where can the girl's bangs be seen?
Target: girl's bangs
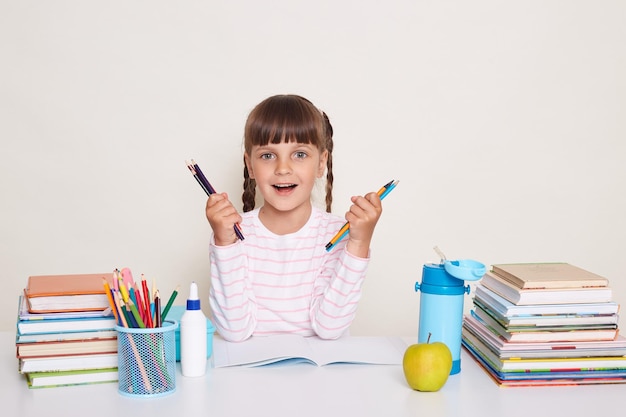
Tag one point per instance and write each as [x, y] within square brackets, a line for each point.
[285, 133]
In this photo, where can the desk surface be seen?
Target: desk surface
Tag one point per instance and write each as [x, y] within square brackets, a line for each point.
[306, 390]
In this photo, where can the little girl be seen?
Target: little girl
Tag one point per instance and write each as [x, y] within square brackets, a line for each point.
[280, 278]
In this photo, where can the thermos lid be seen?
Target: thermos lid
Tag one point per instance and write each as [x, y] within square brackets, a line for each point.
[447, 278]
[465, 269]
[436, 280]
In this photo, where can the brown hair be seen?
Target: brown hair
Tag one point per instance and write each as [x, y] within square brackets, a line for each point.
[287, 118]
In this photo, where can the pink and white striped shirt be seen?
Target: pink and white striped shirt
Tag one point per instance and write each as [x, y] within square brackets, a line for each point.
[269, 284]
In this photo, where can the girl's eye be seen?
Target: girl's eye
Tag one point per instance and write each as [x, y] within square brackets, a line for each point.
[267, 156]
[300, 155]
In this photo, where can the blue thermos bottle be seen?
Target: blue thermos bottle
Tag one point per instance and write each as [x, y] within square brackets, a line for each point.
[441, 303]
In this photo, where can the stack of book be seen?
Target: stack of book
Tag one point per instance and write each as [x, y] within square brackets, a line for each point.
[64, 333]
[545, 324]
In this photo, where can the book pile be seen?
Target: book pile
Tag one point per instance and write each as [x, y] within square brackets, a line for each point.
[65, 335]
[545, 324]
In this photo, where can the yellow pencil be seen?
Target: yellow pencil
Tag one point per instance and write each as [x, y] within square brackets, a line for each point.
[124, 291]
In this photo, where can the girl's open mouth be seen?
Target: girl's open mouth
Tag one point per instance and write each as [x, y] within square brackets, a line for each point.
[284, 188]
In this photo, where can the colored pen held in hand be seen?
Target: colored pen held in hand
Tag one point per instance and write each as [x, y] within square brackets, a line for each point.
[207, 187]
[382, 193]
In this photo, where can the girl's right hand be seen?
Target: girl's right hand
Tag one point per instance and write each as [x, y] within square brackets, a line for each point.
[222, 217]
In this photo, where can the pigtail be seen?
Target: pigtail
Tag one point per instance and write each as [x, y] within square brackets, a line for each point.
[249, 190]
[329, 183]
[328, 131]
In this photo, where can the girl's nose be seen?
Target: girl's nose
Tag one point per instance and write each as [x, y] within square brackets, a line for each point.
[283, 166]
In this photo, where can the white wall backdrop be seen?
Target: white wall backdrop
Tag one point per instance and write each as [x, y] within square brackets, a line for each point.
[505, 123]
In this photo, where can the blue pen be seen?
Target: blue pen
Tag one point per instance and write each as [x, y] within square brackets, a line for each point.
[346, 227]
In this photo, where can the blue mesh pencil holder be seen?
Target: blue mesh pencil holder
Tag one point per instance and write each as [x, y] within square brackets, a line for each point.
[147, 360]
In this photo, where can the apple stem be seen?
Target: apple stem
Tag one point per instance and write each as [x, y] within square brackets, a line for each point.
[428, 340]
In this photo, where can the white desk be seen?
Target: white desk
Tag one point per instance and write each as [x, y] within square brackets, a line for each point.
[305, 390]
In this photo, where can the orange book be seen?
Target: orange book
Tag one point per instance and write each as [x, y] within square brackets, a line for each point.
[61, 293]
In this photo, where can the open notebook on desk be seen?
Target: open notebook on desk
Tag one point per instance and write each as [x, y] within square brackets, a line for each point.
[285, 349]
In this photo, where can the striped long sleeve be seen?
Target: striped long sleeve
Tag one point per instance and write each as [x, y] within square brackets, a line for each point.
[270, 284]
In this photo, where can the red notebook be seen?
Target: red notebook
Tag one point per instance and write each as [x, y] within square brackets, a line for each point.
[60, 293]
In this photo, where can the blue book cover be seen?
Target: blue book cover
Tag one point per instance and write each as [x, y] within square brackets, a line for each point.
[32, 323]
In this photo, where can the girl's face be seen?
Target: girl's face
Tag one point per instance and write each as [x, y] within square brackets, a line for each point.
[285, 174]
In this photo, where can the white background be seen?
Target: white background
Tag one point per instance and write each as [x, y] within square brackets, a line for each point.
[505, 123]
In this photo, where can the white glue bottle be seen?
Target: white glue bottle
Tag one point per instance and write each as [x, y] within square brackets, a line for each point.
[193, 328]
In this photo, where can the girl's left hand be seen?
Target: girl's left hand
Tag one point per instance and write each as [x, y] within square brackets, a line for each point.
[363, 216]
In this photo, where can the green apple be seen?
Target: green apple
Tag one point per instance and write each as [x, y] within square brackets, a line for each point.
[427, 365]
